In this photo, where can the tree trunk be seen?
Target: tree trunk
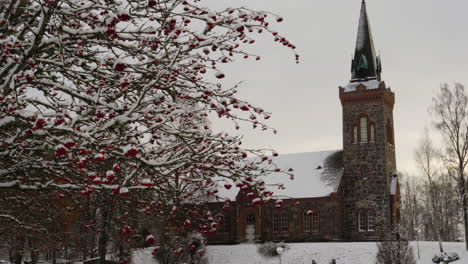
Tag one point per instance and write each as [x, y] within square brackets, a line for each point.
[465, 218]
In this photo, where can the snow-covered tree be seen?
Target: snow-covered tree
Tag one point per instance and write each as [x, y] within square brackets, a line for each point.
[395, 248]
[110, 99]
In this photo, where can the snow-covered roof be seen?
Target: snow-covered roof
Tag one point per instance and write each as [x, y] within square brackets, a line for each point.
[316, 174]
[370, 85]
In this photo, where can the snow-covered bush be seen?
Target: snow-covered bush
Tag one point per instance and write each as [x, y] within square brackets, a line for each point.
[178, 250]
[269, 249]
[395, 249]
[445, 258]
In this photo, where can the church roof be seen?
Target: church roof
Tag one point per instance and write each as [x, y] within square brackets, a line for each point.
[316, 174]
[365, 65]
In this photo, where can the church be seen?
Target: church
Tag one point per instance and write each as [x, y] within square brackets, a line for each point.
[342, 195]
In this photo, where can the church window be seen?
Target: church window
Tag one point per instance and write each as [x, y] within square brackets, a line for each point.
[225, 224]
[315, 221]
[284, 221]
[311, 221]
[355, 135]
[307, 221]
[362, 217]
[372, 133]
[276, 224]
[363, 127]
[370, 220]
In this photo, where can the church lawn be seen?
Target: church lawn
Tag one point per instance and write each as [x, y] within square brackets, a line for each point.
[322, 253]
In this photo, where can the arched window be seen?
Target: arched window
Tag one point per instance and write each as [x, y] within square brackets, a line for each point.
[363, 128]
[311, 221]
[372, 133]
[362, 221]
[371, 220]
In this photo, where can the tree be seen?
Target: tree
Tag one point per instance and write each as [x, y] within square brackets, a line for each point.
[395, 249]
[450, 118]
[110, 99]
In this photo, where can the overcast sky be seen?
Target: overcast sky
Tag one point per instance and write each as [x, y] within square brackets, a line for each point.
[423, 43]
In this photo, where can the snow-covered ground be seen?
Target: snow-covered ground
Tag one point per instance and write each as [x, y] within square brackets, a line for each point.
[322, 253]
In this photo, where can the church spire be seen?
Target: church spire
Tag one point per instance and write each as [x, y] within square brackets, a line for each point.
[365, 65]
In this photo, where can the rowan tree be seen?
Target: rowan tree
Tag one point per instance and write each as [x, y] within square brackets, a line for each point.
[109, 98]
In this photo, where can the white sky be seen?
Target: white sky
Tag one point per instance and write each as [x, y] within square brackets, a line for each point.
[423, 43]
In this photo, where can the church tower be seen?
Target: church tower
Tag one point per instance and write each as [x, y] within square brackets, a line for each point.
[369, 184]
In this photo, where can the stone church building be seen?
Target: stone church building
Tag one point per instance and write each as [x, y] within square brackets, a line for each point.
[343, 195]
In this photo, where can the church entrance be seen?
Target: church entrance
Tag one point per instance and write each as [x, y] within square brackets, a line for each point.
[250, 228]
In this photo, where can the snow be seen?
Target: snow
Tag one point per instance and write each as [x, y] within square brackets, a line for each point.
[309, 180]
[304, 253]
[370, 85]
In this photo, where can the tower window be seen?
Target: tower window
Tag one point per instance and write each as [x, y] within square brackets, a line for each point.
[362, 219]
[389, 133]
[355, 135]
[372, 133]
[363, 126]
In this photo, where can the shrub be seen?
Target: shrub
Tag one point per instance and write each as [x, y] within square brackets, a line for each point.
[268, 250]
[178, 250]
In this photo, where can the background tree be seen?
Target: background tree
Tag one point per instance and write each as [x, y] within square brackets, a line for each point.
[109, 99]
[451, 120]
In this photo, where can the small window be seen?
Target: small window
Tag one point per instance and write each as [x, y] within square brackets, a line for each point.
[362, 221]
[370, 220]
[355, 135]
[372, 133]
[284, 221]
[275, 222]
[315, 221]
[363, 126]
[250, 219]
[364, 172]
[389, 133]
[307, 222]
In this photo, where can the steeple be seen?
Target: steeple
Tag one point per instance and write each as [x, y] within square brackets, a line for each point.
[365, 65]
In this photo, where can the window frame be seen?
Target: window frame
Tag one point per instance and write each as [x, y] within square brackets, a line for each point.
[370, 215]
[361, 220]
[280, 221]
[276, 222]
[363, 130]
[316, 221]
